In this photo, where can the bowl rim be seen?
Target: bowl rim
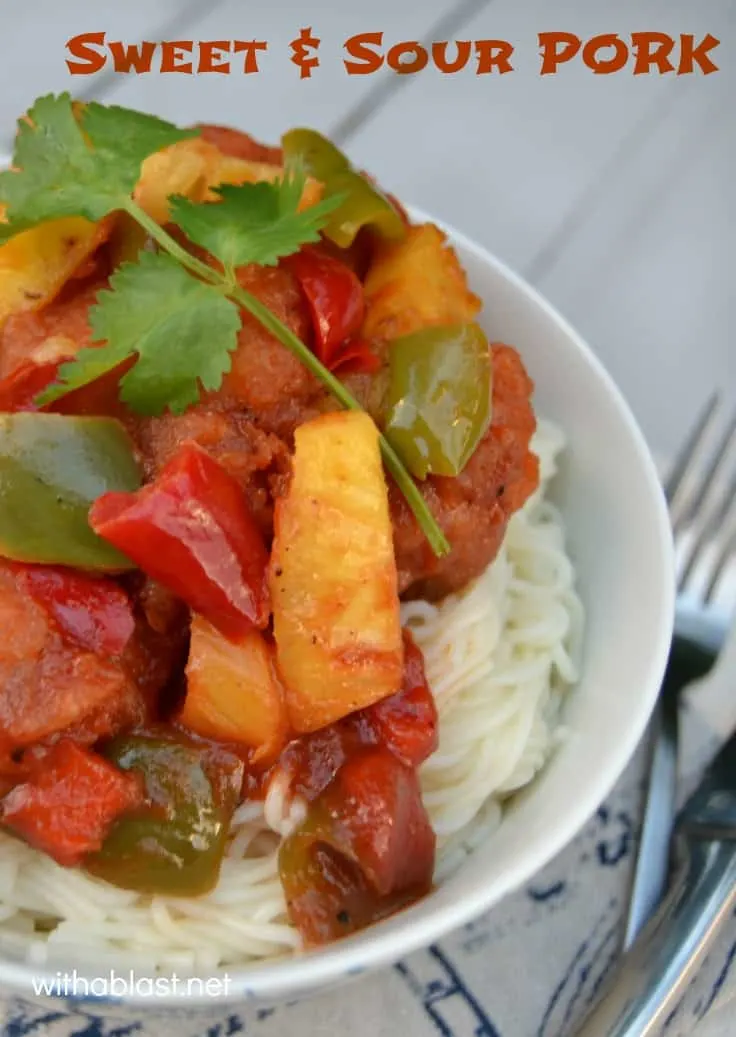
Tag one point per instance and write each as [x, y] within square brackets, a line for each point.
[319, 970]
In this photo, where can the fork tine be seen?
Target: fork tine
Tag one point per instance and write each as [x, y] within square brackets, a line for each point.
[708, 532]
[712, 472]
[683, 462]
[728, 551]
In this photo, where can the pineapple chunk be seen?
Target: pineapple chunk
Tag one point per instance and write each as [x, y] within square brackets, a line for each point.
[233, 691]
[415, 284]
[181, 169]
[333, 575]
[36, 264]
[231, 170]
[193, 167]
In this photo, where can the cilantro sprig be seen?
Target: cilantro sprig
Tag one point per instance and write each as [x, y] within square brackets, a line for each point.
[59, 174]
[260, 224]
[174, 315]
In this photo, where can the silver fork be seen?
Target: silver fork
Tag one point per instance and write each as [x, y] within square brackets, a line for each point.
[703, 512]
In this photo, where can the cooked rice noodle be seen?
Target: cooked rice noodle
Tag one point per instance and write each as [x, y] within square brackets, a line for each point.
[499, 656]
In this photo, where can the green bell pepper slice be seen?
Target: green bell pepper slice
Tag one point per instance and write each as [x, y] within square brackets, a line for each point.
[175, 845]
[52, 467]
[439, 397]
[318, 154]
[363, 205]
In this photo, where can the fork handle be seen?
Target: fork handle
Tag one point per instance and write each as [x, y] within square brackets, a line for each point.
[651, 870]
[655, 972]
[689, 661]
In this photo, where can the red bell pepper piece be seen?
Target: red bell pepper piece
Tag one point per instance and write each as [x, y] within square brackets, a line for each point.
[95, 613]
[193, 532]
[365, 850]
[69, 801]
[18, 391]
[335, 299]
[407, 722]
[356, 357]
[377, 804]
[100, 397]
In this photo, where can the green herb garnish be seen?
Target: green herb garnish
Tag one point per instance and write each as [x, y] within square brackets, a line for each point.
[253, 223]
[178, 315]
[59, 174]
[181, 329]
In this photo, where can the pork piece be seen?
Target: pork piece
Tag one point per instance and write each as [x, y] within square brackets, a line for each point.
[157, 653]
[259, 460]
[49, 685]
[240, 144]
[46, 683]
[57, 331]
[266, 385]
[474, 508]
[55, 334]
[265, 375]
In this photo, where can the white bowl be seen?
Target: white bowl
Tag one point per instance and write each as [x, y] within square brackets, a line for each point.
[619, 537]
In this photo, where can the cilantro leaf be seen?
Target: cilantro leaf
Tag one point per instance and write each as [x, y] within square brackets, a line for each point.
[64, 169]
[255, 222]
[182, 330]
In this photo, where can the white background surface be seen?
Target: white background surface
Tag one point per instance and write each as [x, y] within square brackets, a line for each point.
[614, 194]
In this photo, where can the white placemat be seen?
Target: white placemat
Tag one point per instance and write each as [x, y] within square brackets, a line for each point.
[530, 968]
